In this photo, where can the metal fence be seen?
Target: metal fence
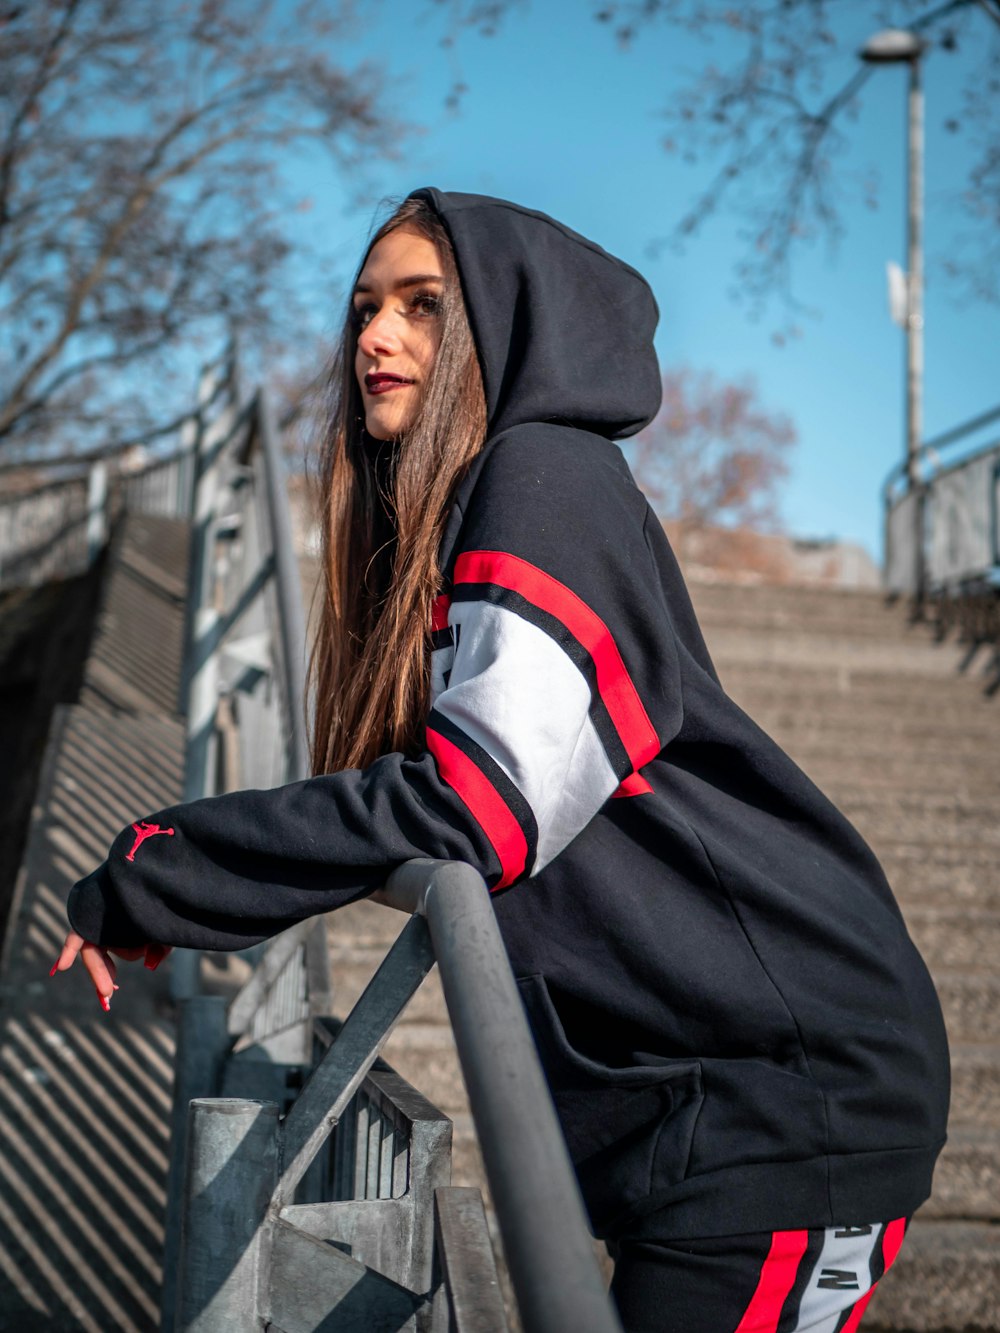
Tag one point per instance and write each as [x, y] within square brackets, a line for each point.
[337, 1212]
[942, 539]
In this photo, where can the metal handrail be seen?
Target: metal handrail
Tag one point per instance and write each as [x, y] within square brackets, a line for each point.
[245, 1158]
[534, 1189]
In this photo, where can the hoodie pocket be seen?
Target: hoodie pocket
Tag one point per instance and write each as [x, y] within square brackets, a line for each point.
[628, 1128]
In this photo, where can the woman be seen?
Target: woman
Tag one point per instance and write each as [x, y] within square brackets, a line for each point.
[744, 1048]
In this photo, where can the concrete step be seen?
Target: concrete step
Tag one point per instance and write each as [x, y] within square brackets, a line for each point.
[952, 938]
[971, 1005]
[975, 1087]
[835, 659]
[915, 887]
[958, 868]
[879, 813]
[817, 717]
[946, 1279]
[785, 609]
[965, 776]
[135, 655]
[967, 1176]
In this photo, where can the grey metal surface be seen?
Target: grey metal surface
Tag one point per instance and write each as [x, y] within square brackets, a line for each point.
[473, 1290]
[202, 1046]
[291, 620]
[43, 534]
[962, 517]
[531, 1178]
[232, 1165]
[961, 540]
[339, 1075]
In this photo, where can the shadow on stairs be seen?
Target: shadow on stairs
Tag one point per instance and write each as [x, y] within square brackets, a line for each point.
[84, 1095]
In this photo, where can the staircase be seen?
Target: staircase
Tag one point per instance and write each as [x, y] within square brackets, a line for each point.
[908, 745]
[85, 1096]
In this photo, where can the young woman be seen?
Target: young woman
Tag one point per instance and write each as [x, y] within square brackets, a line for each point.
[744, 1048]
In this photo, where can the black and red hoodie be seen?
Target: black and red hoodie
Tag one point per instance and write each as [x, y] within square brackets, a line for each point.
[737, 1030]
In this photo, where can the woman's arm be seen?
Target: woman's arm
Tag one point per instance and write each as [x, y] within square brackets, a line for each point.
[555, 680]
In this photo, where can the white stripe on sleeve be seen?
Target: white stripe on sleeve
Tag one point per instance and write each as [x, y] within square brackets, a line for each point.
[515, 693]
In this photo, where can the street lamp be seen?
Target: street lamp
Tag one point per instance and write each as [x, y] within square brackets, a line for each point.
[895, 46]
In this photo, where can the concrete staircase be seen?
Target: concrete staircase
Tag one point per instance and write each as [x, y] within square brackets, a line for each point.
[909, 746]
[85, 1096]
[907, 743]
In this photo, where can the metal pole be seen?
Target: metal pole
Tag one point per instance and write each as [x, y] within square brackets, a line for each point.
[531, 1178]
[202, 1046]
[232, 1167]
[915, 281]
[915, 314]
[290, 615]
[97, 505]
[200, 675]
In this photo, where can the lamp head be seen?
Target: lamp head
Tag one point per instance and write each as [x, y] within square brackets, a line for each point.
[892, 46]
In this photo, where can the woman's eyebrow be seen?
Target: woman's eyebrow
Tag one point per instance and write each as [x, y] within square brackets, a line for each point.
[414, 281]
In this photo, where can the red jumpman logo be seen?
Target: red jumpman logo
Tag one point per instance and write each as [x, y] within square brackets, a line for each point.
[143, 831]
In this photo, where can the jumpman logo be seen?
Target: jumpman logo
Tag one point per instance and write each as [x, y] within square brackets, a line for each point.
[144, 830]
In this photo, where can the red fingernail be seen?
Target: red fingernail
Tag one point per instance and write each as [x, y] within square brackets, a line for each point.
[153, 966]
[105, 1002]
[55, 968]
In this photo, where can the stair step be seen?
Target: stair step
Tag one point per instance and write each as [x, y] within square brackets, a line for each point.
[975, 1086]
[946, 1279]
[967, 1176]
[956, 937]
[971, 1004]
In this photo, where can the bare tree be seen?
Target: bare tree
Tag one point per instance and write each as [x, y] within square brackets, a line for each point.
[142, 197]
[713, 455]
[773, 110]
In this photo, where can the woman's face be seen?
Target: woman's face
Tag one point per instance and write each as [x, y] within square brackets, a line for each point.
[397, 313]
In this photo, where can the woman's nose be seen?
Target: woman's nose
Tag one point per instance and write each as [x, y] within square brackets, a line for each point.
[379, 335]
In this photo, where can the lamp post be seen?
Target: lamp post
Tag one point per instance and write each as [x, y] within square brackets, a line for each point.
[893, 46]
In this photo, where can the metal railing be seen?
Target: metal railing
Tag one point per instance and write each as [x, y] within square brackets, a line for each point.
[405, 1250]
[942, 538]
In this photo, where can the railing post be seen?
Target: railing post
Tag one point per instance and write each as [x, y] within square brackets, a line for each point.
[200, 684]
[232, 1168]
[97, 500]
[202, 1045]
[291, 622]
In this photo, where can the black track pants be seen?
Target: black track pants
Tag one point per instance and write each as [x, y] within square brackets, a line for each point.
[781, 1282]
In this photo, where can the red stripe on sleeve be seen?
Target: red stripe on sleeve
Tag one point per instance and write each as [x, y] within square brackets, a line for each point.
[486, 804]
[614, 684]
[776, 1280]
[635, 785]
[892, 1239]
[439, 612]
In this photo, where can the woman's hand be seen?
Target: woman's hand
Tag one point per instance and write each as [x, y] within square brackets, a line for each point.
[101, 966]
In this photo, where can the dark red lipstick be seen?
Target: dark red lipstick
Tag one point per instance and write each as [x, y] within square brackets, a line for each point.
[382, 382]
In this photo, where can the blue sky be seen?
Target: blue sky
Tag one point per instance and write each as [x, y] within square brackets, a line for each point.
[557, 117]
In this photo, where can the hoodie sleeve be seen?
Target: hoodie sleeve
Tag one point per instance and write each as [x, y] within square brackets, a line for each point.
[554, 680]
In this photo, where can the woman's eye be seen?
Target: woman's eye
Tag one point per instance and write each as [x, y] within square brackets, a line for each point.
[362, 315]
[426, 303]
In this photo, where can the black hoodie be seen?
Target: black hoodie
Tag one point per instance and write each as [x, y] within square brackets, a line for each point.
[737, 1030]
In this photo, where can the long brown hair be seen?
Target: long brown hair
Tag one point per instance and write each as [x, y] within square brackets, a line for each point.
[384, 506]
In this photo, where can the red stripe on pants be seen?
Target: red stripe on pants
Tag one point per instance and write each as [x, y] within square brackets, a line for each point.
[776, 1280]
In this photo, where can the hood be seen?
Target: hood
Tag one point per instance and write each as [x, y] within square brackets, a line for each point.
[564, 330]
